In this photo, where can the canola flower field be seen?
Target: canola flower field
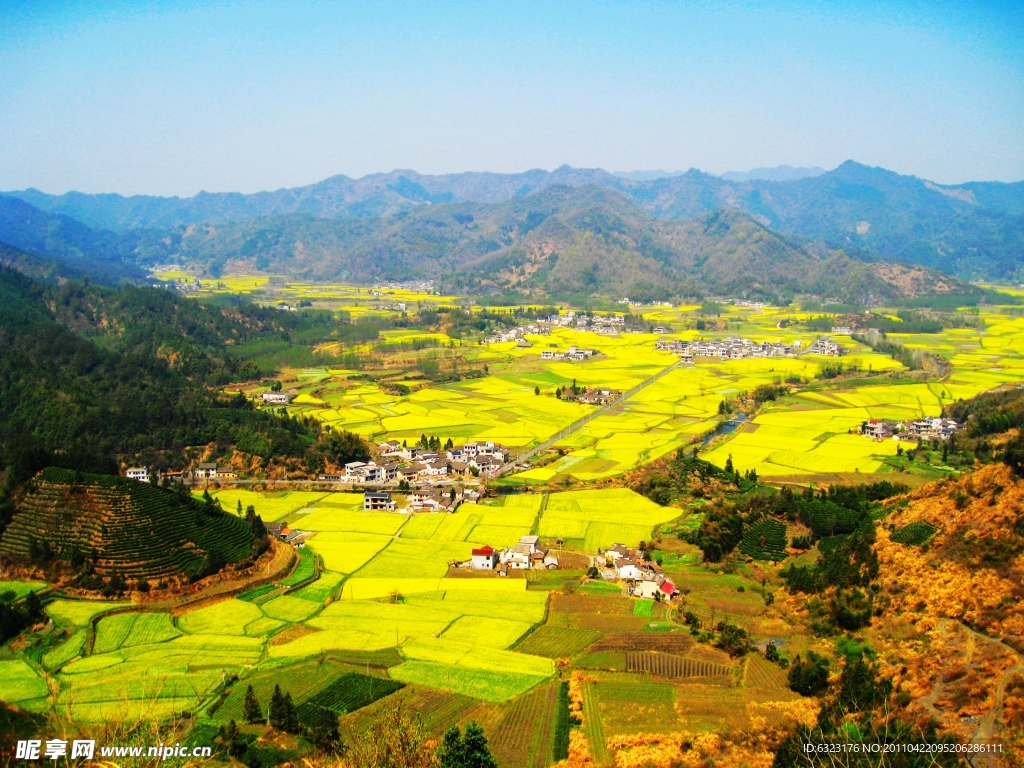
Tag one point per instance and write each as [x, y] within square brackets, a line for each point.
[386, 594]
[385, 587]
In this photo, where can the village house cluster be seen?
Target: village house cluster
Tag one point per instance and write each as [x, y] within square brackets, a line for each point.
[421, 465]
[925, 429]
[206, 470]
[736, 349]
[823, 345]
[528, 553]
[593, 395]
[643, 578]
[572, 354]
[518, 334]
[730, 347]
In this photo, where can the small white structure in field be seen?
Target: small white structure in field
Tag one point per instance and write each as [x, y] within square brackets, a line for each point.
[137, 473]
[484, 559]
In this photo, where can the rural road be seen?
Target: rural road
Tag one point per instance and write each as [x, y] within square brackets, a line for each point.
[588, 418]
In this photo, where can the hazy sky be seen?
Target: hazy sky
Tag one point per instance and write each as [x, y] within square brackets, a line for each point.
[173, 98]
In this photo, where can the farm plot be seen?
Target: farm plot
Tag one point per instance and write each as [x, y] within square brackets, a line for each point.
[112, 631]
[494, 633]
[21, 588]
[416, 558]
[321, 589]
[765, 540]
[304, 568]
[288, 608]
[525, 734]
[228, 617]
[915, 533]
[66, 651]
[151, 680]
[347, 552]
[483, 673]
[269, 506]
[302, 680]
[669, 665]
[558, 642]
[602, 517]
[22, 686]
[627, 704]
[78, 613]
[348, 693]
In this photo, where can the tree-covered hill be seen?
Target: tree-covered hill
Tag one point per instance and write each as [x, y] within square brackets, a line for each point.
[63, 392]
[108, 256]
[103, 529]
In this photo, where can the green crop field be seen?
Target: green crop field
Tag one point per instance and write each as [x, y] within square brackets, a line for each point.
[289, 608]
[347, 694]
[302, 680]
[558, 642]
[21, 588]
[269, 506]
[22, 685]
[78, 613]
[917, 533]
[765, 540]
[305, 568]
[320, 589]
[66, 651]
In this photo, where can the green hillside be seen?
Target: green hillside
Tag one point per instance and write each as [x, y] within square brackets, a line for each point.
[106, 525]
[64, 392]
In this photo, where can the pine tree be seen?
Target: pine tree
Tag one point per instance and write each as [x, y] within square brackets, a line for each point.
[474, 744]
[278, 716]
[452, 752]
[290, 715]
[728, 464]
[324, 734]
[252, 711]
[536, 390]
[33, 608]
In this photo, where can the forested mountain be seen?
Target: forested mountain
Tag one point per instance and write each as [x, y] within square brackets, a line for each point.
[559, 240]
[970, 230]
[135, 396]
[59, 238]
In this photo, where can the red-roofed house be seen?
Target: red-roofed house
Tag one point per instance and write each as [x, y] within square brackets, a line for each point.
[484, 559]
[669, 590]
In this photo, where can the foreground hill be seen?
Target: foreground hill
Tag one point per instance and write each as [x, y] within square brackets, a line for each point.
[957, 549]
[970, 230]
[106, 526]
[136, 396]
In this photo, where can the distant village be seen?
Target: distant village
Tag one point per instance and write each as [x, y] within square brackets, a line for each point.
[925, 429]
[607, 325]
[735, 349]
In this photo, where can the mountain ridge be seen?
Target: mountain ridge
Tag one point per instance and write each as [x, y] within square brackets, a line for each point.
[972, 230]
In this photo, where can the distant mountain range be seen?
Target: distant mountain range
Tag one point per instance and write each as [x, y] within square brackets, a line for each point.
[839, 232]
[973, 230]
[779, 173]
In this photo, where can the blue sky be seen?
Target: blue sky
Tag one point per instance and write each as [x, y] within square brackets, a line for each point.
[177, 97]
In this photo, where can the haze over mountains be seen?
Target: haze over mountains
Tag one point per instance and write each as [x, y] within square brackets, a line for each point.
[564, 230]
